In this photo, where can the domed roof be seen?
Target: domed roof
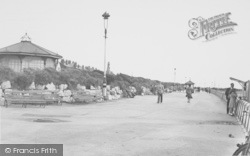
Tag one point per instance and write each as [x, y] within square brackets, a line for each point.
[189, 82]
[26, 47]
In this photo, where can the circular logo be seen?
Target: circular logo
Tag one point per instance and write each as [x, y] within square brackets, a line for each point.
[7, 150]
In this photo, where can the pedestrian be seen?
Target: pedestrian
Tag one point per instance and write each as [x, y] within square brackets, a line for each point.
[189, 92]
[160, 91]
[232, 102]
[227, 93]
[199, 89]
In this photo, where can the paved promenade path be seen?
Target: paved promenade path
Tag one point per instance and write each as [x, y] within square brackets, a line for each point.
[128, 127]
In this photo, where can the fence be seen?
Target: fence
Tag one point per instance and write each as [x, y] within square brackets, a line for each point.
[242, 110]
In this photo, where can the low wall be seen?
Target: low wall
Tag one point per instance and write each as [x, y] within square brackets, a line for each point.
[220, 94]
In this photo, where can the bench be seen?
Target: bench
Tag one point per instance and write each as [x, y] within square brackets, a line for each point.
[30, 98]
[53, 98]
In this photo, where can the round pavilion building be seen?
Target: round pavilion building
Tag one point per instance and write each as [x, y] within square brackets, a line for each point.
[26, 54]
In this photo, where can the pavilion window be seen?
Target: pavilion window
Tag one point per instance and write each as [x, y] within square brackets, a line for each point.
[15, 64]
[12, 62]
[33, 62]
[50, 63]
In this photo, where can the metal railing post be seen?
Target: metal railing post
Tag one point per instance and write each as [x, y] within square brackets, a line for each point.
[247, 126]
[245, 118]
[241, 111]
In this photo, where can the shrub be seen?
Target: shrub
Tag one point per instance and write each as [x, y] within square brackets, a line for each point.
[42, 77]
[75, 75]
[63, 78]
[7, 74]
[110, 78]
[123, 85]
[90, 82]
[72, 83]
[127, 78]
[54, 75]
[30, 72]
[72, 77]
[96, 74]
[138, 88]
[22, 81]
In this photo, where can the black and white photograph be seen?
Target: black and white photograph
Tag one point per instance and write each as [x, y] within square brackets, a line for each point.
[124, 78]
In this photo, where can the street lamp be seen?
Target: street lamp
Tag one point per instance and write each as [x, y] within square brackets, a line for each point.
[105, 17]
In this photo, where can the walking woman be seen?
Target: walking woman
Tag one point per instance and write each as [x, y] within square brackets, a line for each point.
[189, 92]
[232, 102]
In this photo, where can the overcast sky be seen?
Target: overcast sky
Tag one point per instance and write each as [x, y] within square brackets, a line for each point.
[146, 38]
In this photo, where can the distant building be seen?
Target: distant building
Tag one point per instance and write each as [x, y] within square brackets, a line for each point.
[26, 54]
[189, 83]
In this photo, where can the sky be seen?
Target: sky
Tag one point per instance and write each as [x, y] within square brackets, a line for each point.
[146, 38]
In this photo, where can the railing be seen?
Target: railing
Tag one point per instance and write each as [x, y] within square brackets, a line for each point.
[242, 114]
[242, 110]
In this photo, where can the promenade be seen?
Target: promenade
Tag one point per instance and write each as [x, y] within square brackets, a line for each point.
[128, 127]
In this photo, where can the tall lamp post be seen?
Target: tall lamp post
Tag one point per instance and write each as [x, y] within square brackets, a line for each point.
[105, 17]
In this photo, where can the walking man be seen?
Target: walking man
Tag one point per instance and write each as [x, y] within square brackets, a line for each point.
[160, 91]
